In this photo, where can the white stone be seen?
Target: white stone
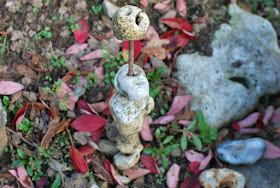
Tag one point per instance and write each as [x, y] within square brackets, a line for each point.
[245, 65]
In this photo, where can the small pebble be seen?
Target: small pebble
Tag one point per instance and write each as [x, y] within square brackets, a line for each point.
[215, 178]
[80, 138]
[108, 147]
[241, 151]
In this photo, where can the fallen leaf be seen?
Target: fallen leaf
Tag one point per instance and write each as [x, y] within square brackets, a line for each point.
[205, 161]
[152, 34]
[116, 176]
[246, 122]
[9, 87]
[66, 96]
[178, 103]
[86, 150]
[146, 133]
[192, 156]
[75, 48]
[137, 49]
[145, 3]
[99, 107]
[41, 182]
[97, 134]
[19, 113]
[47, 139]
[154, 48]
[268, 114]
[22, 176]
[276, 116]
[82, 33]
[272, 151]
[136, 173]
[177, 23]
[93, 144]
[95, 54]
[7, 72]
[184, 122]
[78, 162]
[173, 176]
[83, 105]
[88, 123]
[181, 7]
[194, 166]
[164, 119]
[149, 163]
[191, 181]
[100, 171]
[62, 126]
[99, 71]
[163, 6]
[25, 71]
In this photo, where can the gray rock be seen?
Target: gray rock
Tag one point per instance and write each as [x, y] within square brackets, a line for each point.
[134, 87]
[176, 153]
[3, 135]
[156, 62]
[227, 86]
[80, 137]
[111, 131]
[265, 173]
[214, 178]
[109, 8]
[241, 151]
[108, 147]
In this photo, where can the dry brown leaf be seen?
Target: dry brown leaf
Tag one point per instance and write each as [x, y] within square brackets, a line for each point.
[100, 170]
[25, 71]
[154, 48]
[62, 126]
[7, 73]
[55, 109]
[16, 96]
[47, 139]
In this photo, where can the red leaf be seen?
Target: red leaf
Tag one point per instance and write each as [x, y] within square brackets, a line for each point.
[205, 161]
[164, 5]
[75, 48]
[99, 107]
[8, 87]
[181, 7]
[190, 182]
[83, 105]
[272, 151]
[276, 116]
[173, 176]
[137, 48]
[88, 123]
[146, 133]
[152, 34]
[78, 162]
[22, 177]
[194, 156]
[194, 166]
[179, 102]
[149, 163]
[97, 134]
[86, 150]
[66, 93]
[19, 113]
[164, 119]
[41, 182]
[136, 173]
[236, 126]
[116, 176]
[107, 111]
[249, 120]
[145, 3]
[82, 33]
[95, 54]
[177, 23]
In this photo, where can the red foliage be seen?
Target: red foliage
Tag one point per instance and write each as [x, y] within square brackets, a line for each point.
[86, 150]
[97, 134]
[137, 48]
[78, 162]
[82, 33]
[149, 163]
[19, 113]
[88, 123]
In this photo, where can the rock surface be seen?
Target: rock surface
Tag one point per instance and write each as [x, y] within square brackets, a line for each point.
[227, 85]
[3, 121]
[215, 178]
[241, 151]
[108, 147]
[109, 8]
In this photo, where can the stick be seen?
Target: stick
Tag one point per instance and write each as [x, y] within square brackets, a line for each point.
[131, 58]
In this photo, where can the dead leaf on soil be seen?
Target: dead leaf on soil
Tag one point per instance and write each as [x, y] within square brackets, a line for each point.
[47, 139]
[25, 71]
[154, 47]
[100, 171]
[7, 73]
[9, 87]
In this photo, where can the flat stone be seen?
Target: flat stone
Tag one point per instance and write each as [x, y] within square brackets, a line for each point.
[215, 178]
[108, 147]
[124, 162]
[228, 85]
[239, 152]
[109, 8]
[3, 135]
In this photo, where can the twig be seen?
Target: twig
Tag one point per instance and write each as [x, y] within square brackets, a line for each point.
[131, 58]
[70, 137]
[21, 137]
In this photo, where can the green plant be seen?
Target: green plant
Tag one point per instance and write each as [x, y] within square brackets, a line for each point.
[25, 126]
[73, 26]
[256, 3]
[47, 1]
[33, 164]
[35, 10]
[45, 33]
[91, 79]
[20, 10]
[58, 61]
[3, 49]
[155, 76]
[6, 103]
[55, 87]
[168, 145]
[97, 9]
[112, 65]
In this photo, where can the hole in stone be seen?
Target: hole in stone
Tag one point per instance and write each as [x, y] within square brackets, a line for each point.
[138, 19]
[240, 80]
[236, 64]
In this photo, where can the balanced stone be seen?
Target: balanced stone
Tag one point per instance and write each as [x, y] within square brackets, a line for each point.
[244, 66]
[215, 178]
[3, 121]
[241, 151]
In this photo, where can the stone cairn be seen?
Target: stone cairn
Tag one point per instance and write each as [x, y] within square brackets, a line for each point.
[132, 102]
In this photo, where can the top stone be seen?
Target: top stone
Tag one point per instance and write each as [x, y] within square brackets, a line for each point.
[130, 23]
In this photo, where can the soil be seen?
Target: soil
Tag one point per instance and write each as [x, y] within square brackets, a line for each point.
[23, 23]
